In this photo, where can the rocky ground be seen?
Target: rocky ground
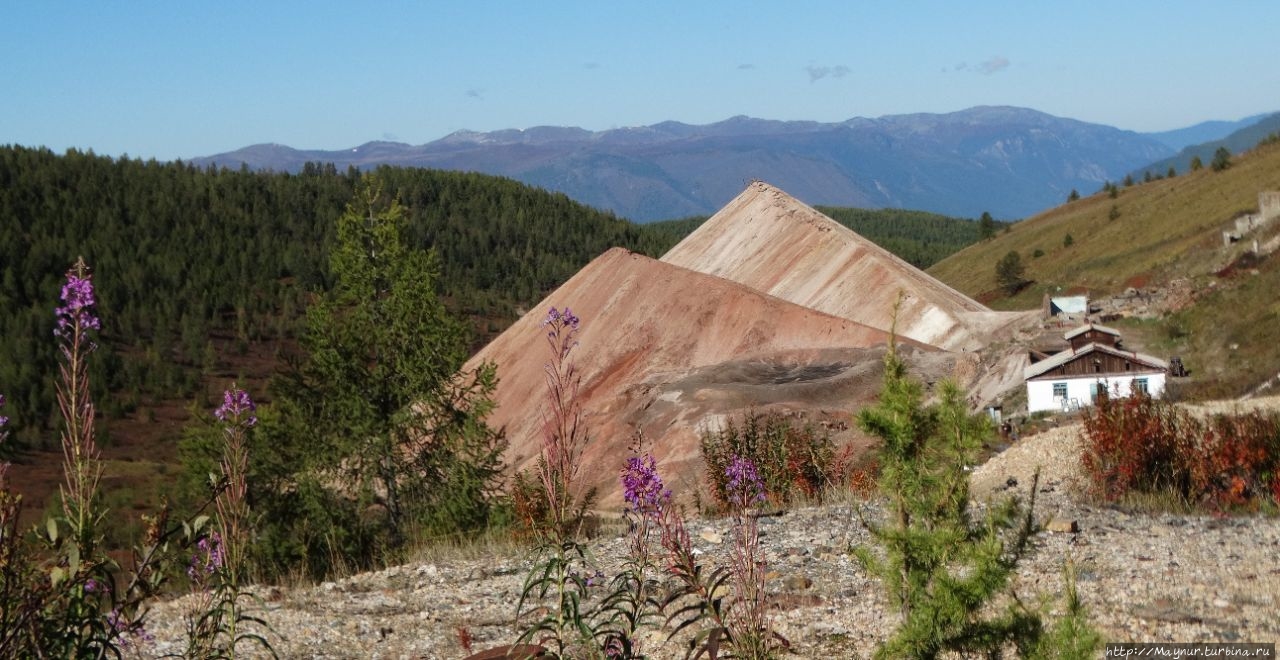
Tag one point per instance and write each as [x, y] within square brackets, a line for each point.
[1149, 578]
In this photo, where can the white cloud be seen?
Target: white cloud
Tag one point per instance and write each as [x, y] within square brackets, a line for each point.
[996, 64]
[817, 73]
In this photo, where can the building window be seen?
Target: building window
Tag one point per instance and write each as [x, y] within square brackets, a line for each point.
[1059, 390]
[1140, 385]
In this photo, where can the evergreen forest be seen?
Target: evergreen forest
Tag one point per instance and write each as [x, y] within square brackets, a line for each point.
[191, 262]
[918, 237]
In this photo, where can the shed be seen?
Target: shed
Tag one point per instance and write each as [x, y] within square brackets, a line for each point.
[1069, 305]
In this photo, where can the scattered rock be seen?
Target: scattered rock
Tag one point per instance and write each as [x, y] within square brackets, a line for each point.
[512, 652]
[797, 582]
[1062, 526]
[1204, 578]
[1168, 613]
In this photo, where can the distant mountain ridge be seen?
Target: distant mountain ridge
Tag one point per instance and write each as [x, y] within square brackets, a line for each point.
[1010, 161]
[1205, 131]
[1238, 141]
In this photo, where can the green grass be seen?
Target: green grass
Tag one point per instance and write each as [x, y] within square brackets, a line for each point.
[1230, 338]
[1168, 229]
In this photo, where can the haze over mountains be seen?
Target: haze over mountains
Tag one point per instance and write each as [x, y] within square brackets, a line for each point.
[1010, 161]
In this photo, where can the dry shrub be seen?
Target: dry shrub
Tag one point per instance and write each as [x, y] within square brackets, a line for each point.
[530, 508]
[793, 459]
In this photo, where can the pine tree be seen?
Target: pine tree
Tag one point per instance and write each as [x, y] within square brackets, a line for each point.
[1009, 272]
[940, 566]
[1221, 159]
[986, 226]
[383, 409]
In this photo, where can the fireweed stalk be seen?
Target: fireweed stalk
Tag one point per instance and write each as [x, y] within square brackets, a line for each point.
[697, 599]
[217, 623]
[749, 620]
[81, 612]
[82, 465]
[202, 630]
[567, 625]
[634, 599]
[563, 432]
[237, 413]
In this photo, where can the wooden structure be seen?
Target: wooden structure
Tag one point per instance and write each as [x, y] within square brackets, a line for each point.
[1092, 333]
[1074, 377]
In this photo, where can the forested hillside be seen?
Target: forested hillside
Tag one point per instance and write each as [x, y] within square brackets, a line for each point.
[918, 237]
[185, 256]
[192, 262]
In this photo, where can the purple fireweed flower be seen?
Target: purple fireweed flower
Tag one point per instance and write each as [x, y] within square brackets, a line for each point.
[564, 319]
[641, 485]
[744, 487]
[235, 404]
[128, 631]
[91, 585]
[208, 557]
[77, 299]
[3, 420]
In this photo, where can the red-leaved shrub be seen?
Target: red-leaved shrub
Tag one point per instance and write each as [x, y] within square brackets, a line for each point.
[1139, 444]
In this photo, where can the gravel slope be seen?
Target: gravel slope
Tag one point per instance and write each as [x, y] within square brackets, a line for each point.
[1161, 578]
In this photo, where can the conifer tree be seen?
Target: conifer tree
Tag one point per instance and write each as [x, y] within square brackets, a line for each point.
[1010, 271]
[1221, 159]
[940, 564]
[383, 408]
[986, 226]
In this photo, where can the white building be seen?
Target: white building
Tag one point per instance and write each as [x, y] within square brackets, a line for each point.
[1072, 378]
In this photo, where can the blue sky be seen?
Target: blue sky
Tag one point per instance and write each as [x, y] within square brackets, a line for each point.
[177, 80]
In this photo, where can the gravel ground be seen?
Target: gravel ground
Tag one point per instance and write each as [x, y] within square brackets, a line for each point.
[1146, 578]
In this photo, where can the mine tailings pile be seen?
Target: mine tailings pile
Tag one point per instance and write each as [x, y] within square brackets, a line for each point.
[768, 306]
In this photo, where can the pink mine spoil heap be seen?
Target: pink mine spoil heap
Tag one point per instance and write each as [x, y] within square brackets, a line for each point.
[772, 242]
[769, 306]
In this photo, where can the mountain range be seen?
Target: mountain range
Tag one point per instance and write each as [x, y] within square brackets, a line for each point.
[1205, 131]
[1241, 139]
[1012, 162]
